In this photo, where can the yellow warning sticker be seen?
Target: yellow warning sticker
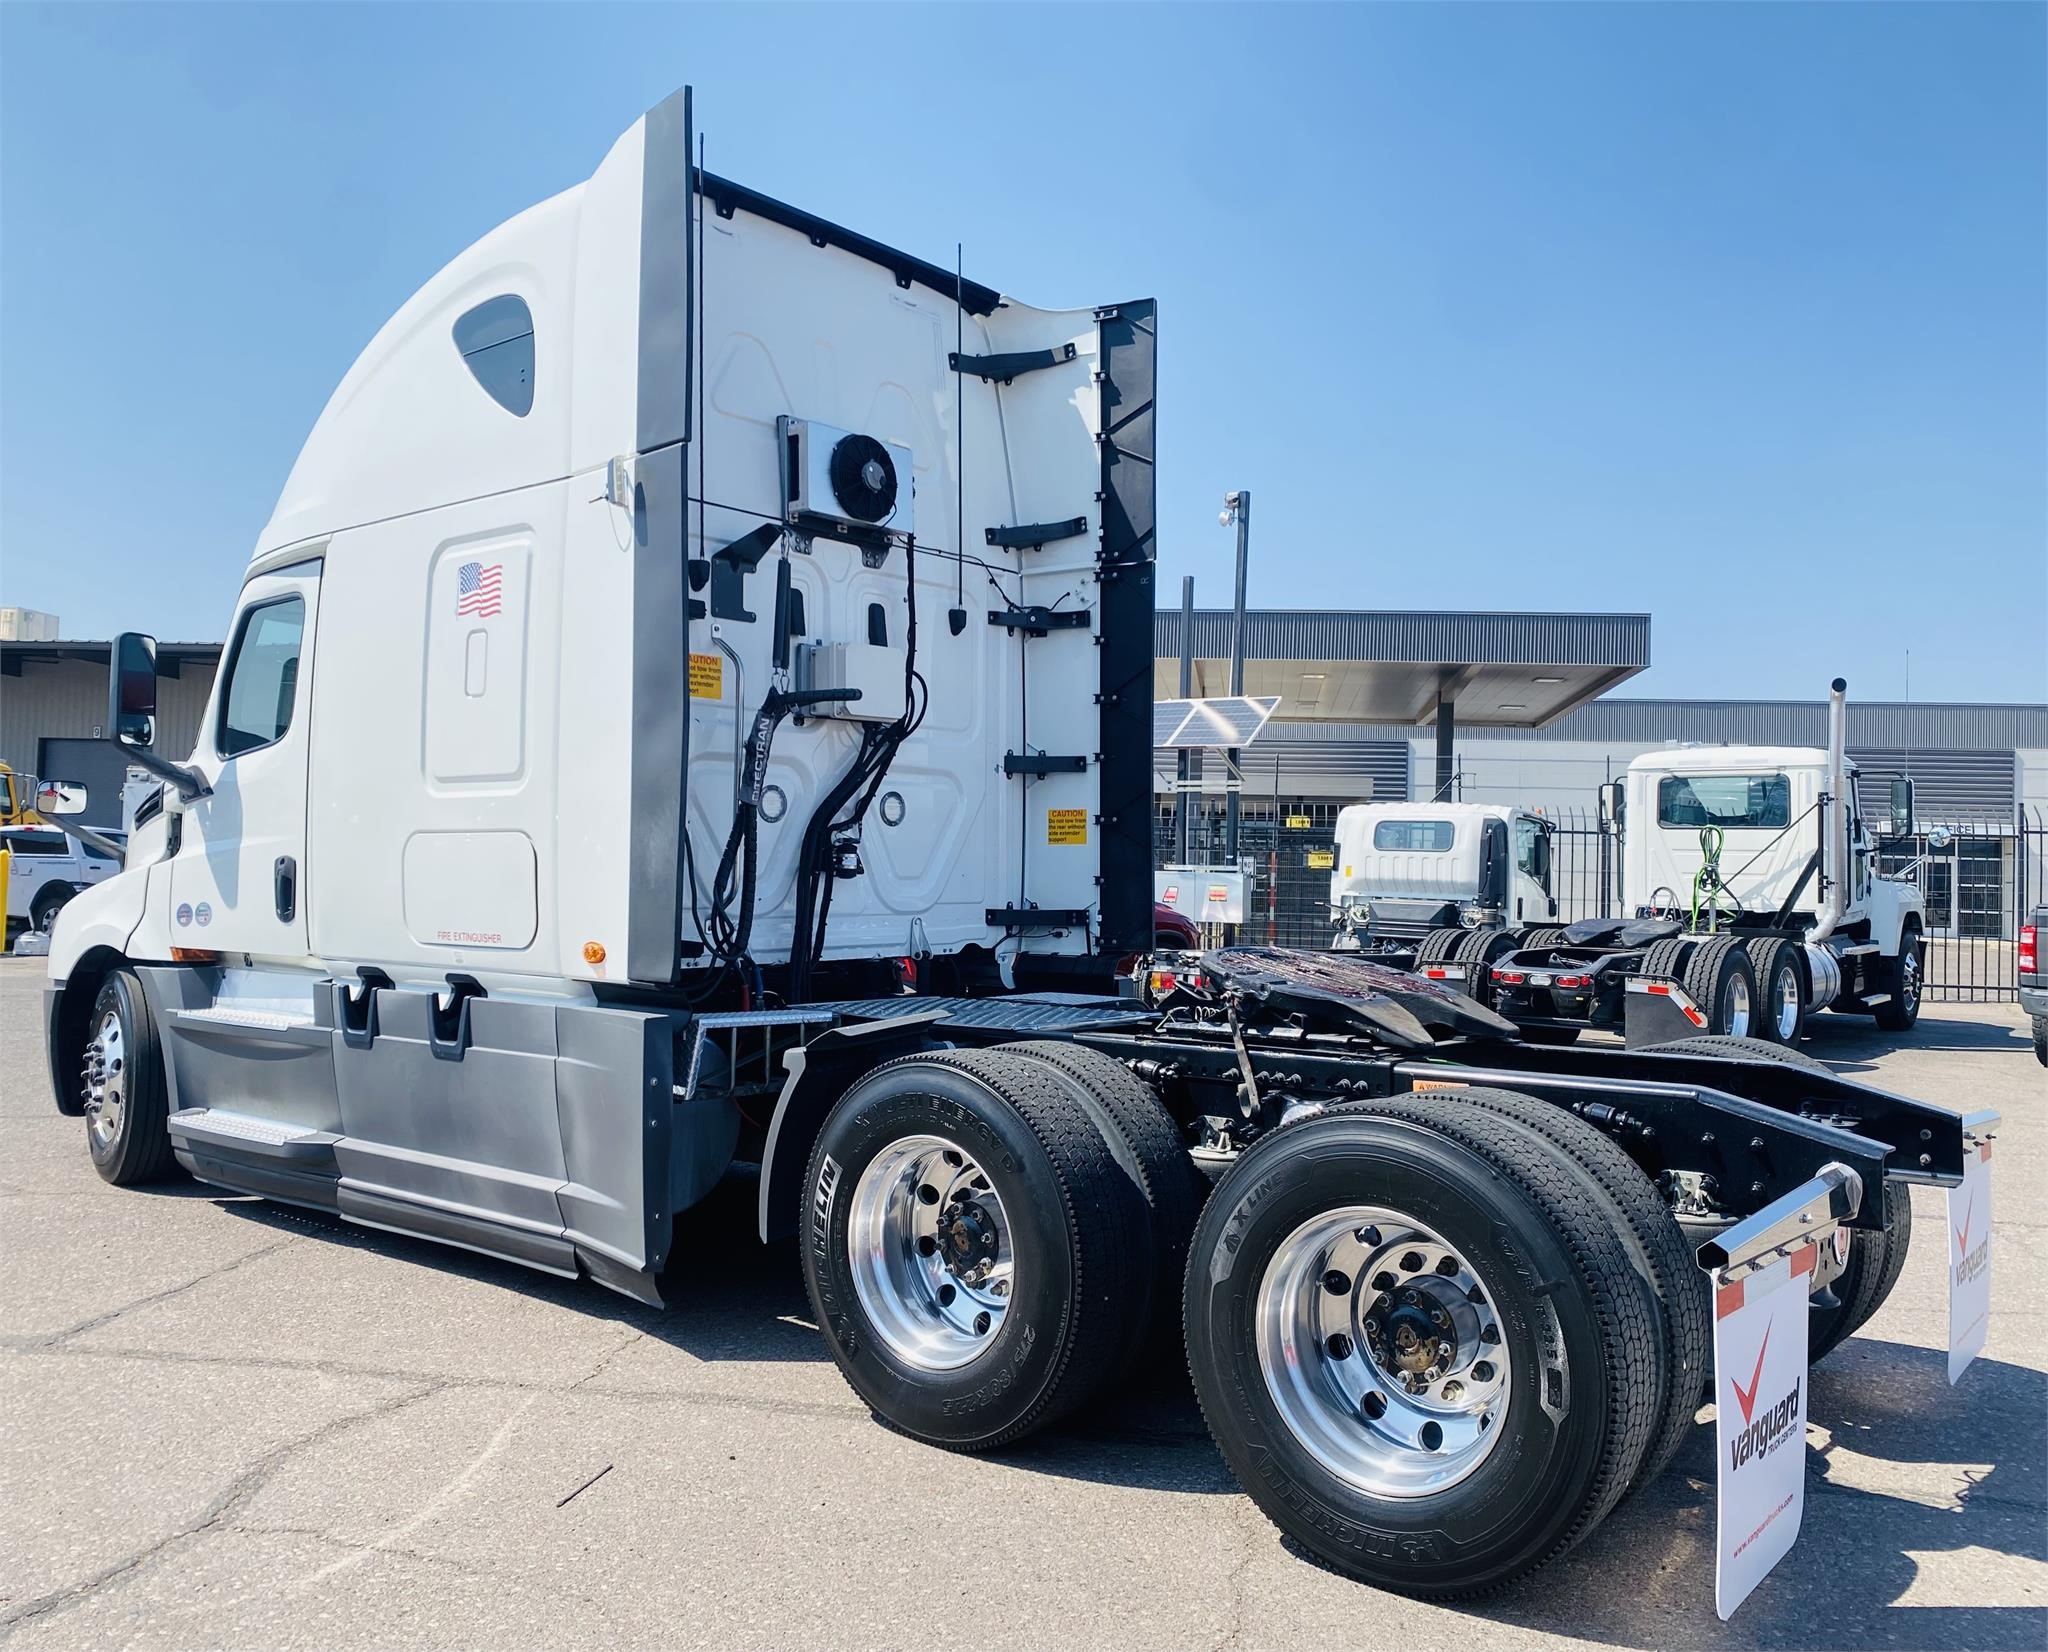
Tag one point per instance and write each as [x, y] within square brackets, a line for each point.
[1299, 823]
[1321, 860]
[1438, 1084]
[707, 677]
[1066, 825]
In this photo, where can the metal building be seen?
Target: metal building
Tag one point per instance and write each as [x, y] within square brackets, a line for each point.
[53, 709]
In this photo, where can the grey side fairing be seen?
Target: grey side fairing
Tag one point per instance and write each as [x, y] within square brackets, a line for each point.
[543, 1134]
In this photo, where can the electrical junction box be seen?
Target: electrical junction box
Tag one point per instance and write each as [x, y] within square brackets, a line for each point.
[875, 671]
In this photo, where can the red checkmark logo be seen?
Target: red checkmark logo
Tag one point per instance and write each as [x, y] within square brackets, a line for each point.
[1747, 1399]
[1963, 1232]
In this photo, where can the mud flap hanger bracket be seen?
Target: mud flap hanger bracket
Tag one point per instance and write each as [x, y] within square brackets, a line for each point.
[1811, 1211]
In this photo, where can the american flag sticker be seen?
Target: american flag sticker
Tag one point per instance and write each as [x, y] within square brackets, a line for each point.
[477, 588]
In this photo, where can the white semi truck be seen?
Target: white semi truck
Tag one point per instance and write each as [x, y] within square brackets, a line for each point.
[1752, 896]
[686, 612]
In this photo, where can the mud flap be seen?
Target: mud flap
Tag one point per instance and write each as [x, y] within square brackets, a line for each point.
[1969, 1254]
[1658, 1012]
[1762, 1270]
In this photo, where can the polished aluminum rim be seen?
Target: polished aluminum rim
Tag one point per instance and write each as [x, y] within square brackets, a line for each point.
[930, 1245]
[1789, 1002]
[1909, 978]
[106, 1080]
[1738, 1006]
[1381, 1348]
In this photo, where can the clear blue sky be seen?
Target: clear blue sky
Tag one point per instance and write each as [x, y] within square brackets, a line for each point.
[1737, 315]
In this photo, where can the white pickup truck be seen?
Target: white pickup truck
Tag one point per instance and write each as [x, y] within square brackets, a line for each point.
[45, 869]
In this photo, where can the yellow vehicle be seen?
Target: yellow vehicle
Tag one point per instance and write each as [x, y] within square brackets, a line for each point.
[17, 797]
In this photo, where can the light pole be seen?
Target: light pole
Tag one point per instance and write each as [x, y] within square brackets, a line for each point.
[1237, 507]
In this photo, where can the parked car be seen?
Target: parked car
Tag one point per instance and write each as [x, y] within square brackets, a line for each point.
[2033, 982]
[1173, 931]
[46, 869]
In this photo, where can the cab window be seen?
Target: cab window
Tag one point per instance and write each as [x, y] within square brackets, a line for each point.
[1532, 850]
[1730, 801]
[1429, 837]
[262, 677]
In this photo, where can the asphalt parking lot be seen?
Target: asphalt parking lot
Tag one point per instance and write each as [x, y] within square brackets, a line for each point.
[227, 1423]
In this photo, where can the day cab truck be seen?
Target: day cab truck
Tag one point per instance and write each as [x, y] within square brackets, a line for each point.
[685, 611]
[1750, 876]
[1439, 886]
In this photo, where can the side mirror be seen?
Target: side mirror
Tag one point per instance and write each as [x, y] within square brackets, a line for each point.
[1902, 808]
[58, 797]
[131, 690]
[1614, 801]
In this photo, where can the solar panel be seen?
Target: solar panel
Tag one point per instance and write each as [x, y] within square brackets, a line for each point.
[1212, 724]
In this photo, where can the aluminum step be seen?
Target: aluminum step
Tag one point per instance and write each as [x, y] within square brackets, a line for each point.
[249, 1133]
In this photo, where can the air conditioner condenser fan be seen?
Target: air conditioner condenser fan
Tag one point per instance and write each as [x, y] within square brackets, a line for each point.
[863, 478]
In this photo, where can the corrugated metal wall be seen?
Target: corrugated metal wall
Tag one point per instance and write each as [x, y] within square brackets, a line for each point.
[68, 698]
[1948, 786]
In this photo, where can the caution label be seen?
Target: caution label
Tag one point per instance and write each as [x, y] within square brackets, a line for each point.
[707, 677]
[1321, 860]
[1299, 823]
[1066, 825]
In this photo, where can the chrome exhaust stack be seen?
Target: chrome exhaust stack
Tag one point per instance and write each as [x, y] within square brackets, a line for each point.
[1835, 849]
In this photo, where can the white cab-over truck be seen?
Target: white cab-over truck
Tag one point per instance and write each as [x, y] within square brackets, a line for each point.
[1406, 872]
[689, 622]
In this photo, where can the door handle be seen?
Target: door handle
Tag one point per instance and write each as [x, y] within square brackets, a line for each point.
[285, 884]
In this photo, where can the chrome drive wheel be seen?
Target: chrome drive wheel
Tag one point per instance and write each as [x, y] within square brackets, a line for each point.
[977, 1257]
[1381, 1347]
[1421, 1338]
[933, 1259]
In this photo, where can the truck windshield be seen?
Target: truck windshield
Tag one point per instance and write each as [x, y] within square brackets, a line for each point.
[1730, 801]
[1431, 837]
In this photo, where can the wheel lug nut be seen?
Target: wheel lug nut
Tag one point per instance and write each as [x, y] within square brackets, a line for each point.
[1491, 1334]
[1337, 1282]
[1384, 1282]
[1454, 1390]
[1447, 1266]
[1339, 1346]
[1411, 1262]
[1483, 1371]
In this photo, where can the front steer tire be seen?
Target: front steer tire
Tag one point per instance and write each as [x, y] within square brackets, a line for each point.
[126, 1098]
[1576, 1320]
[1071, 1222]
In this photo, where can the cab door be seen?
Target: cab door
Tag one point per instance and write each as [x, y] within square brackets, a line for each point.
[238, 881]
[1533, 896]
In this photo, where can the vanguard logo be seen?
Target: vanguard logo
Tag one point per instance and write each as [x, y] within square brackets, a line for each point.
[1970, 1263]
[1767, 1432]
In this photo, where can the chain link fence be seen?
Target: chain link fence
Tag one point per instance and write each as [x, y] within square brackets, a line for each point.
[1979, 886]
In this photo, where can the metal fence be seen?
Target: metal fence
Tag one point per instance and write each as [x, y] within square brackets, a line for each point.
[1979, 886]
